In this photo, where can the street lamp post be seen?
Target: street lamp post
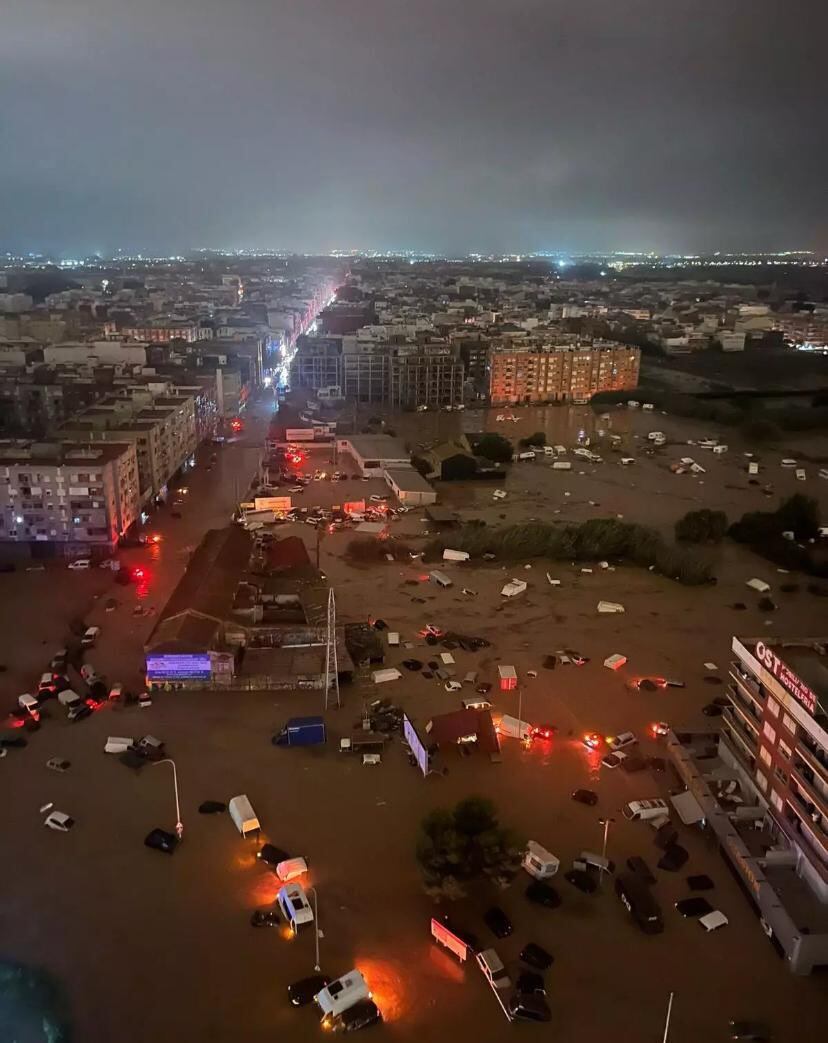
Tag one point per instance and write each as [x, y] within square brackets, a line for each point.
[605, 822]
[316, 966]
[179, 825]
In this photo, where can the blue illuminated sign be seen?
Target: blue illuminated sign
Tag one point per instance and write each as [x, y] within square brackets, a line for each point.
[179, 667]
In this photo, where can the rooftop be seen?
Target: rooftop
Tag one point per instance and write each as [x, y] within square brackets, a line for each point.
[408, 480]
[379, 446]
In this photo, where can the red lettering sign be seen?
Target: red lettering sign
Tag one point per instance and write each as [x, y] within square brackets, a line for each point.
[786, 677]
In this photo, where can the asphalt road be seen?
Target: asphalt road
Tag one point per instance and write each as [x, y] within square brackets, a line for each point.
[152, 947]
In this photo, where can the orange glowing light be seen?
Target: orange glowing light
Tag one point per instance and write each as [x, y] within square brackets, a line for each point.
[386, 981]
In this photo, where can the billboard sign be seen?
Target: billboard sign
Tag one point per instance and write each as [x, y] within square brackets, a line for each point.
[416, 745]
[192, 667]
[299, 434]
[786, 677]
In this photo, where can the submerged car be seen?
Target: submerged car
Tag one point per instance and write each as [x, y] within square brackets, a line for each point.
[498, 922]
[301, 992]
[543, 894]
[585, 796]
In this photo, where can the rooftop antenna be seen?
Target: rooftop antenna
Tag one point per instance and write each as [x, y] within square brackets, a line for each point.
[331, 664]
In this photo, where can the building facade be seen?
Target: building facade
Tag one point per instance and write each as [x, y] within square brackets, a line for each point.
[571, 373]
[77, 496]
[777, 727]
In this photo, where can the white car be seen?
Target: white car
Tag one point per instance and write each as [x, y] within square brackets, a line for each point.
[620, 741]
[453, 686]
[612, 760]
[377, 499]
[59, 820]
[81, 563]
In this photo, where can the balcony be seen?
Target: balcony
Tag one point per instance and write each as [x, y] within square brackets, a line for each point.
[807, 833]
[750, 687]
[738, 744]
[813, 755]
[745, 708]
[804, 778]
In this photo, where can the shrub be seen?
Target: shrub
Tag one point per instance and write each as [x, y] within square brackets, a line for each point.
[704, 526]
[494, 447]
[538, 438]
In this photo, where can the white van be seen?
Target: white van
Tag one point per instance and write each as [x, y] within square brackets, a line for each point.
[440, 578]
[640, 810]
[562, 465]
[478, 702]
[342, 994]
[90, 636]
[291, 868]
[295, 906]
[513, 727]
[117, 744]
[527, 454]
[538, 862]
[242, 813]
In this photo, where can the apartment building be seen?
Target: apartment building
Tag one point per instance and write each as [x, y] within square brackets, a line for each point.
[777, 728]
[317, 363]
[428, 374]
[75, 497]
[561, 373]
[163, 433]
[163, 331]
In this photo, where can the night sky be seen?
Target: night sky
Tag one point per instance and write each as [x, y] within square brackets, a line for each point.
[432, 125]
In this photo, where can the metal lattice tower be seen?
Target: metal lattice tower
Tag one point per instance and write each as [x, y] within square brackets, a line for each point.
[331, 663]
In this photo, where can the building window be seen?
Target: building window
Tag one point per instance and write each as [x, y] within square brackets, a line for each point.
[769, 733]
[789, 723]
[762, 779]
[784, 749]
[764, 755]
[773, 707]
[776, 800]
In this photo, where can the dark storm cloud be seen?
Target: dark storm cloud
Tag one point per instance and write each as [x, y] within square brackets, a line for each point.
[422, 124]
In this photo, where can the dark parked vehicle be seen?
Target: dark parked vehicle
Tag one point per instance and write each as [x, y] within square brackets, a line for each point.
[543, 894]
[700, 882]
[583, 880]
[272, 856]
[638, 900]
[301, 992]
[161, 840]
[694, 907]
[360, 1016]
[755, 1031]
[536, 956]
[529, 1008]
[712, 710]
[585, 796]
[637, 865]
[530, 983]
[674, 857]
[265, 918]
[498, 922]
[634, 762]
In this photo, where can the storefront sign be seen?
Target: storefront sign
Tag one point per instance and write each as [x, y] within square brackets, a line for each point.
[786, 677]
[743, 865]
[272, 503]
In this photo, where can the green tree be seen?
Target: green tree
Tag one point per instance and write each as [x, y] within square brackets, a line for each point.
[704, 526]
[462, 844]
[495, 448]
[538, 438]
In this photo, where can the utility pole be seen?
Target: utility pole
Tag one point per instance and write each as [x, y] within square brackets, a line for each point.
[667, 1020]
[605, 822]
[331, 663]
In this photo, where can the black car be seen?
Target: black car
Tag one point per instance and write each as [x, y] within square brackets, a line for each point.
[161, 840]
[694, 907]
[712, 710]
[530, 983]
[543, 894]
[360, 1016]
[536, 956]
[301, 992]
[265, 918]
[636, 864]
[529, 1008]
[272, 855]
[583, 880]
[498, 922]
[755, 1031]
[585, 796]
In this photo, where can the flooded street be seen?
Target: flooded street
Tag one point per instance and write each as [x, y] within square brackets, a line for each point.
[152, 947]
